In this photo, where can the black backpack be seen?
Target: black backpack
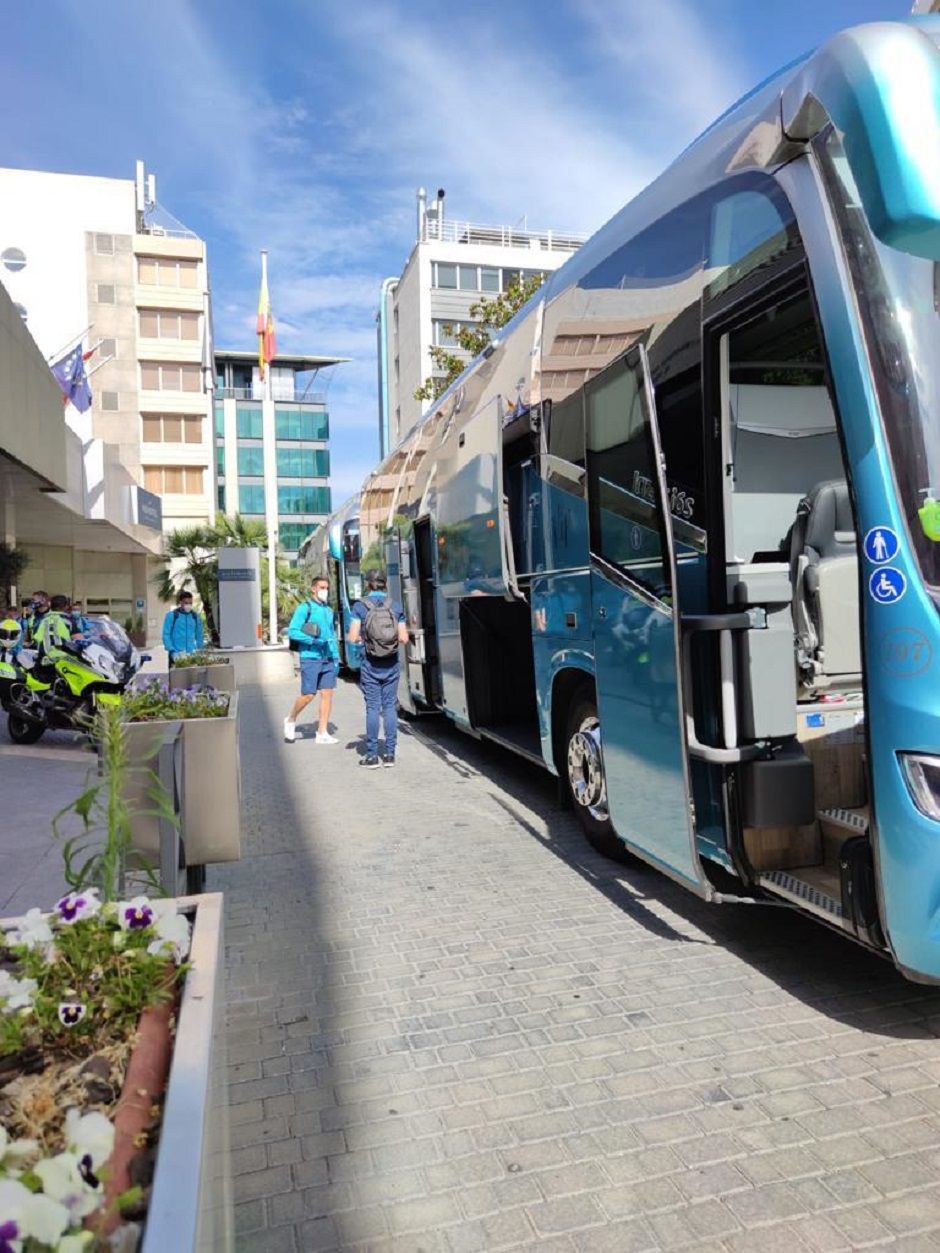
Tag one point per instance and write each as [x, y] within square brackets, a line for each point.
[380, 630]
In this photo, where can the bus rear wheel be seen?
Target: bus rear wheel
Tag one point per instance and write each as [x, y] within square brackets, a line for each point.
[585, 779]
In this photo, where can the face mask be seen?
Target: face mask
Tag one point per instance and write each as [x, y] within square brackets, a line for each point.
[323, 594]
[186, 608]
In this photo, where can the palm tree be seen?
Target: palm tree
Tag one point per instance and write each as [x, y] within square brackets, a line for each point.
[189, 556]
[239, 532]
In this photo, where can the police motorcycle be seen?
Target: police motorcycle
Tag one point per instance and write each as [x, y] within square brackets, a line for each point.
[64, 689]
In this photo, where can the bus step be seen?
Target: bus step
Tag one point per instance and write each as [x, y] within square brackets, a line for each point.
[812, 888]
[839, 825]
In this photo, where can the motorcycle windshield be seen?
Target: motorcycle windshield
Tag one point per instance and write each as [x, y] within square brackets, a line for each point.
[109, 635]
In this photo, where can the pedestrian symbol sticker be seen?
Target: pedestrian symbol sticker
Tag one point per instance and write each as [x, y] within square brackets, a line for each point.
[881, 545]
[887, 585]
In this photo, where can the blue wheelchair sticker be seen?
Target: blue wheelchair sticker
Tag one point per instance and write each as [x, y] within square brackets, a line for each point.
[881, 545]
[815, 720]
[887, 585]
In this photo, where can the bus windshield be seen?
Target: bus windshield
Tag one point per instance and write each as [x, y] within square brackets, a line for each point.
[353, 581]
[898, 298]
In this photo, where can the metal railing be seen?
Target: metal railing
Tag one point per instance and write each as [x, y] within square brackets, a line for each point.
[281, 396]
[451, 231]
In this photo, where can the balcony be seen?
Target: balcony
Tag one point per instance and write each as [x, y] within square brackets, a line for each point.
[451, 231]
[289, 395]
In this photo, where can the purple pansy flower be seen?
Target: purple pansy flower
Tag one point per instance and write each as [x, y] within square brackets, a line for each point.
[136, 914]
[9, 1231]
[78, 905]
[71, 1013]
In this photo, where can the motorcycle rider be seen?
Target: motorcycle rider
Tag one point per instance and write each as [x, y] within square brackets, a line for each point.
[40, 607]
[182, 628]
[54, 630]
[79, 621]
[11, 635]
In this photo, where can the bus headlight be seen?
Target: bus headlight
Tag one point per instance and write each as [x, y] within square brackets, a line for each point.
[922, 776]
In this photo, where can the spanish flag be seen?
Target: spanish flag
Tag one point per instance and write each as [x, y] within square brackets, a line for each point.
[267, 341]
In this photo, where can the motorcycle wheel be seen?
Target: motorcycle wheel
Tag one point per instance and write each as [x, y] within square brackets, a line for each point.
[22, 731]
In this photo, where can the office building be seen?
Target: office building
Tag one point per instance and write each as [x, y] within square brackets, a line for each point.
[273, 455]
[99, 259]
[452, 265]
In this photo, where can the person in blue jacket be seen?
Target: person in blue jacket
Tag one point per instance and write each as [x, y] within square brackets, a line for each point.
[312, 634]
[182, 628]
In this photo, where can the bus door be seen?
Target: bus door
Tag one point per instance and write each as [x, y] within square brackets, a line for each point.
[419, 601]
[402, 587]
[635, 622]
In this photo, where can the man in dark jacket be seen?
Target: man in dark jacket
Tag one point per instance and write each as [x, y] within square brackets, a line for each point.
[380, 624]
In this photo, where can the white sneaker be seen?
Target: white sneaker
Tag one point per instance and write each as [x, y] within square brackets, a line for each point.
[324, 737]
[290, 730]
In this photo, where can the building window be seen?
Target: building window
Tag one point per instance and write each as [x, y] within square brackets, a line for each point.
[105, 293]
[445, 330]
[167, 272]
[220, 460]
[220, 420]
[489, 278]
[104, 245]
[13, 259]
[445, 275]
[293, 534]
[174, 480]
[303, 499]
[110, 401]
[171, 428]
[250, 498]
[166, 376]
[166, 324]
[301, 423]
[469, 278]
[220, 498]
[250, 461]
[303, 463]
[107, 348]
[248, 422]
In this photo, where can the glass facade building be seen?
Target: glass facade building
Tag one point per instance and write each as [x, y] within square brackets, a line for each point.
[272, 454]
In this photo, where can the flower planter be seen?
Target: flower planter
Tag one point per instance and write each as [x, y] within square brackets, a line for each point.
[190, 1203]
[208, 784]
[221, 677]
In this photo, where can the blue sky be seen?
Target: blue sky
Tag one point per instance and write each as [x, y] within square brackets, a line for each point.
[305, 126]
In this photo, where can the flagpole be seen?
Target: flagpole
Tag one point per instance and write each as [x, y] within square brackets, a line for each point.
[272, 533]
[69, 343]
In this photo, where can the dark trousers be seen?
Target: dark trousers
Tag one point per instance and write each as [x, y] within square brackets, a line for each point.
[380, 691]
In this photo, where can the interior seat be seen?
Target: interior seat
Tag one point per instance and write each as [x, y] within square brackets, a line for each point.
[824, 577]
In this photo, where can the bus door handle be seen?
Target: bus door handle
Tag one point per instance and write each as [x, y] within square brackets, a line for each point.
[724, 623]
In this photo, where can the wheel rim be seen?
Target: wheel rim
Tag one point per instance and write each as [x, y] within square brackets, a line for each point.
[586, 769]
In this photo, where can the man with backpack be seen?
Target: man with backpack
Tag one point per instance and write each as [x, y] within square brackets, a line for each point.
[312, 634]
[182, 628]
[380, 624]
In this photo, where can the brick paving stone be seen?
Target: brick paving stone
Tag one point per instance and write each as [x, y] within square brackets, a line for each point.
[459, 1029]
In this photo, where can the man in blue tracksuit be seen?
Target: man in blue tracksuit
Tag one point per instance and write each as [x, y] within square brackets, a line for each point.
[380, 624]
[182, 628]
[313, 634]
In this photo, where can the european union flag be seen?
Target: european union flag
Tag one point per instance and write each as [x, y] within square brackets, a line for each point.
[70, 374]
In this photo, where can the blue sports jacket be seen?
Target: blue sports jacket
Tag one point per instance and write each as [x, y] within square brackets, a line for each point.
[182, 632]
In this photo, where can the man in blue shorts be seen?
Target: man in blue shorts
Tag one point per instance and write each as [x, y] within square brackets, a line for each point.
[311, 629]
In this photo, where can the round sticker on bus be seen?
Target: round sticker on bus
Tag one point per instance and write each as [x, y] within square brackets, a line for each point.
[887, 585]
[881, 545]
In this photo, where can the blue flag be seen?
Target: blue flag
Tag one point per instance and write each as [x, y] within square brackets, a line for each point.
[69, 373]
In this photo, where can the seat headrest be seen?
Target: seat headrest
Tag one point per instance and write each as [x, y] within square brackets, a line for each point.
[830, 511]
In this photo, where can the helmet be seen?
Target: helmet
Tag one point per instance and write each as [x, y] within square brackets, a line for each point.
[10, 632]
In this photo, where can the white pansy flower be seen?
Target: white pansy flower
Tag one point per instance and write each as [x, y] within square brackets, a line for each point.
[62, 1180]
[28, 1215]
[16, 993]
[12, 1151]
[33, 931]
[74, 1244]
[78, 905]
[173, 934]
[136, 914]
[89, 1134]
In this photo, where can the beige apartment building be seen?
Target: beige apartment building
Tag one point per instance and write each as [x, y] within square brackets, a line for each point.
[99, 259]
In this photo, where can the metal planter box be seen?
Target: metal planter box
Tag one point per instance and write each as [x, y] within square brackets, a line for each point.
[221, 677]
[191, 1201]
[208, 784]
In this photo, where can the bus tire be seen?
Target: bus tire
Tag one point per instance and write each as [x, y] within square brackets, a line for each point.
[22, 730]
[583, 768]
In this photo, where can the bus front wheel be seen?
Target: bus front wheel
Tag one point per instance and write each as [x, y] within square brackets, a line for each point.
[584, 777]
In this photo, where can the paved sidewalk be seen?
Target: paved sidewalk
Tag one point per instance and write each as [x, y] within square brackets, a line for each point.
[456, 1028]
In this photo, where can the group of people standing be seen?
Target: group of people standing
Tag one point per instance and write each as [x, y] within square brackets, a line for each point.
[378, 623]
[42, 622]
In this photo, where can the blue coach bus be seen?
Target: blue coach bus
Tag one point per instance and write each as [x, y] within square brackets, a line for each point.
[333, 549]
[675, 535]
